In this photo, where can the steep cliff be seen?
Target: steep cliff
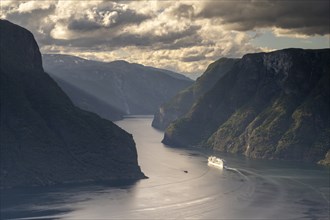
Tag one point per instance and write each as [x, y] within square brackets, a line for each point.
[183, 101]
[44, 138]
[126, 87]
[269, 105]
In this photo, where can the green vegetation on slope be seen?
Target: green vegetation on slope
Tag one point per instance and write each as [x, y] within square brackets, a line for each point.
[183, 101]
[269, 105]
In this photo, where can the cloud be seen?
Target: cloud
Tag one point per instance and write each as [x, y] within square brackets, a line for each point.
[33, 15]
[83, 25]
[184, 11]
[114, 26]
[105, 17]
[31, 6]
[300, 17]
[179, 35]
[193, 58]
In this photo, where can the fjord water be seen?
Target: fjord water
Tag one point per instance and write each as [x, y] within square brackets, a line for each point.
[181, 185]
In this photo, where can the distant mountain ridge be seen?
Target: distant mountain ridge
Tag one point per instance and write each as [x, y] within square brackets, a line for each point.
[183, 101]
[44, 138]
[268, 105]
[125, 88]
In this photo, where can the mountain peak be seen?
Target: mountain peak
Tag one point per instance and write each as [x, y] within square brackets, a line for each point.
[18, 46]
[266, 105]
[44, 138]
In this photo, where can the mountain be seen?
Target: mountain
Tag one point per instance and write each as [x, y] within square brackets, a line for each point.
[45, 139]
[183, 101]
[268, 105]
[125, 87]
[89, 102]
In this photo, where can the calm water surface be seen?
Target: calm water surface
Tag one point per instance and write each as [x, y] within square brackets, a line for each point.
[250, 189]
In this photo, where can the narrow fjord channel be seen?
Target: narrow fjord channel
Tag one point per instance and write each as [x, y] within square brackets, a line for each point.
[182, 186]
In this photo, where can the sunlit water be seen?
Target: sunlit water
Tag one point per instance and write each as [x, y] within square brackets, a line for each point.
[182, 186]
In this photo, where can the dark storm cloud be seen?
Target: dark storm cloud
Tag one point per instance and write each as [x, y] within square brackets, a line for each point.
[303, 17]
[131, 17]
[185, 42]
[83, 25]
[193, 58]
[184, 11]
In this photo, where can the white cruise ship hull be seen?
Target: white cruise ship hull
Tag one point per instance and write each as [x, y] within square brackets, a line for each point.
[217, 165]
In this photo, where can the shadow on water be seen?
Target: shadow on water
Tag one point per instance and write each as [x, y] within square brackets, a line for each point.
[52, 202]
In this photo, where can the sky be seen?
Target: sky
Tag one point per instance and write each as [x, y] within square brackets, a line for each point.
[182, 35]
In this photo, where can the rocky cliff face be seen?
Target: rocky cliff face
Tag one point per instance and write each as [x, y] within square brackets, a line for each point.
[122, 86]
[45, 139]
[183, 101]
[269, 105]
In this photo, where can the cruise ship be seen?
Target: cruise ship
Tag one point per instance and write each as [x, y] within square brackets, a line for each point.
[216, 162]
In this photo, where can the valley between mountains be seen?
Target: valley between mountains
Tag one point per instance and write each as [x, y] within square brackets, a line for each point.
[56, 110]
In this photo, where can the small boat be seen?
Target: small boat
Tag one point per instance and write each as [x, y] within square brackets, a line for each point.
[216, 162]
